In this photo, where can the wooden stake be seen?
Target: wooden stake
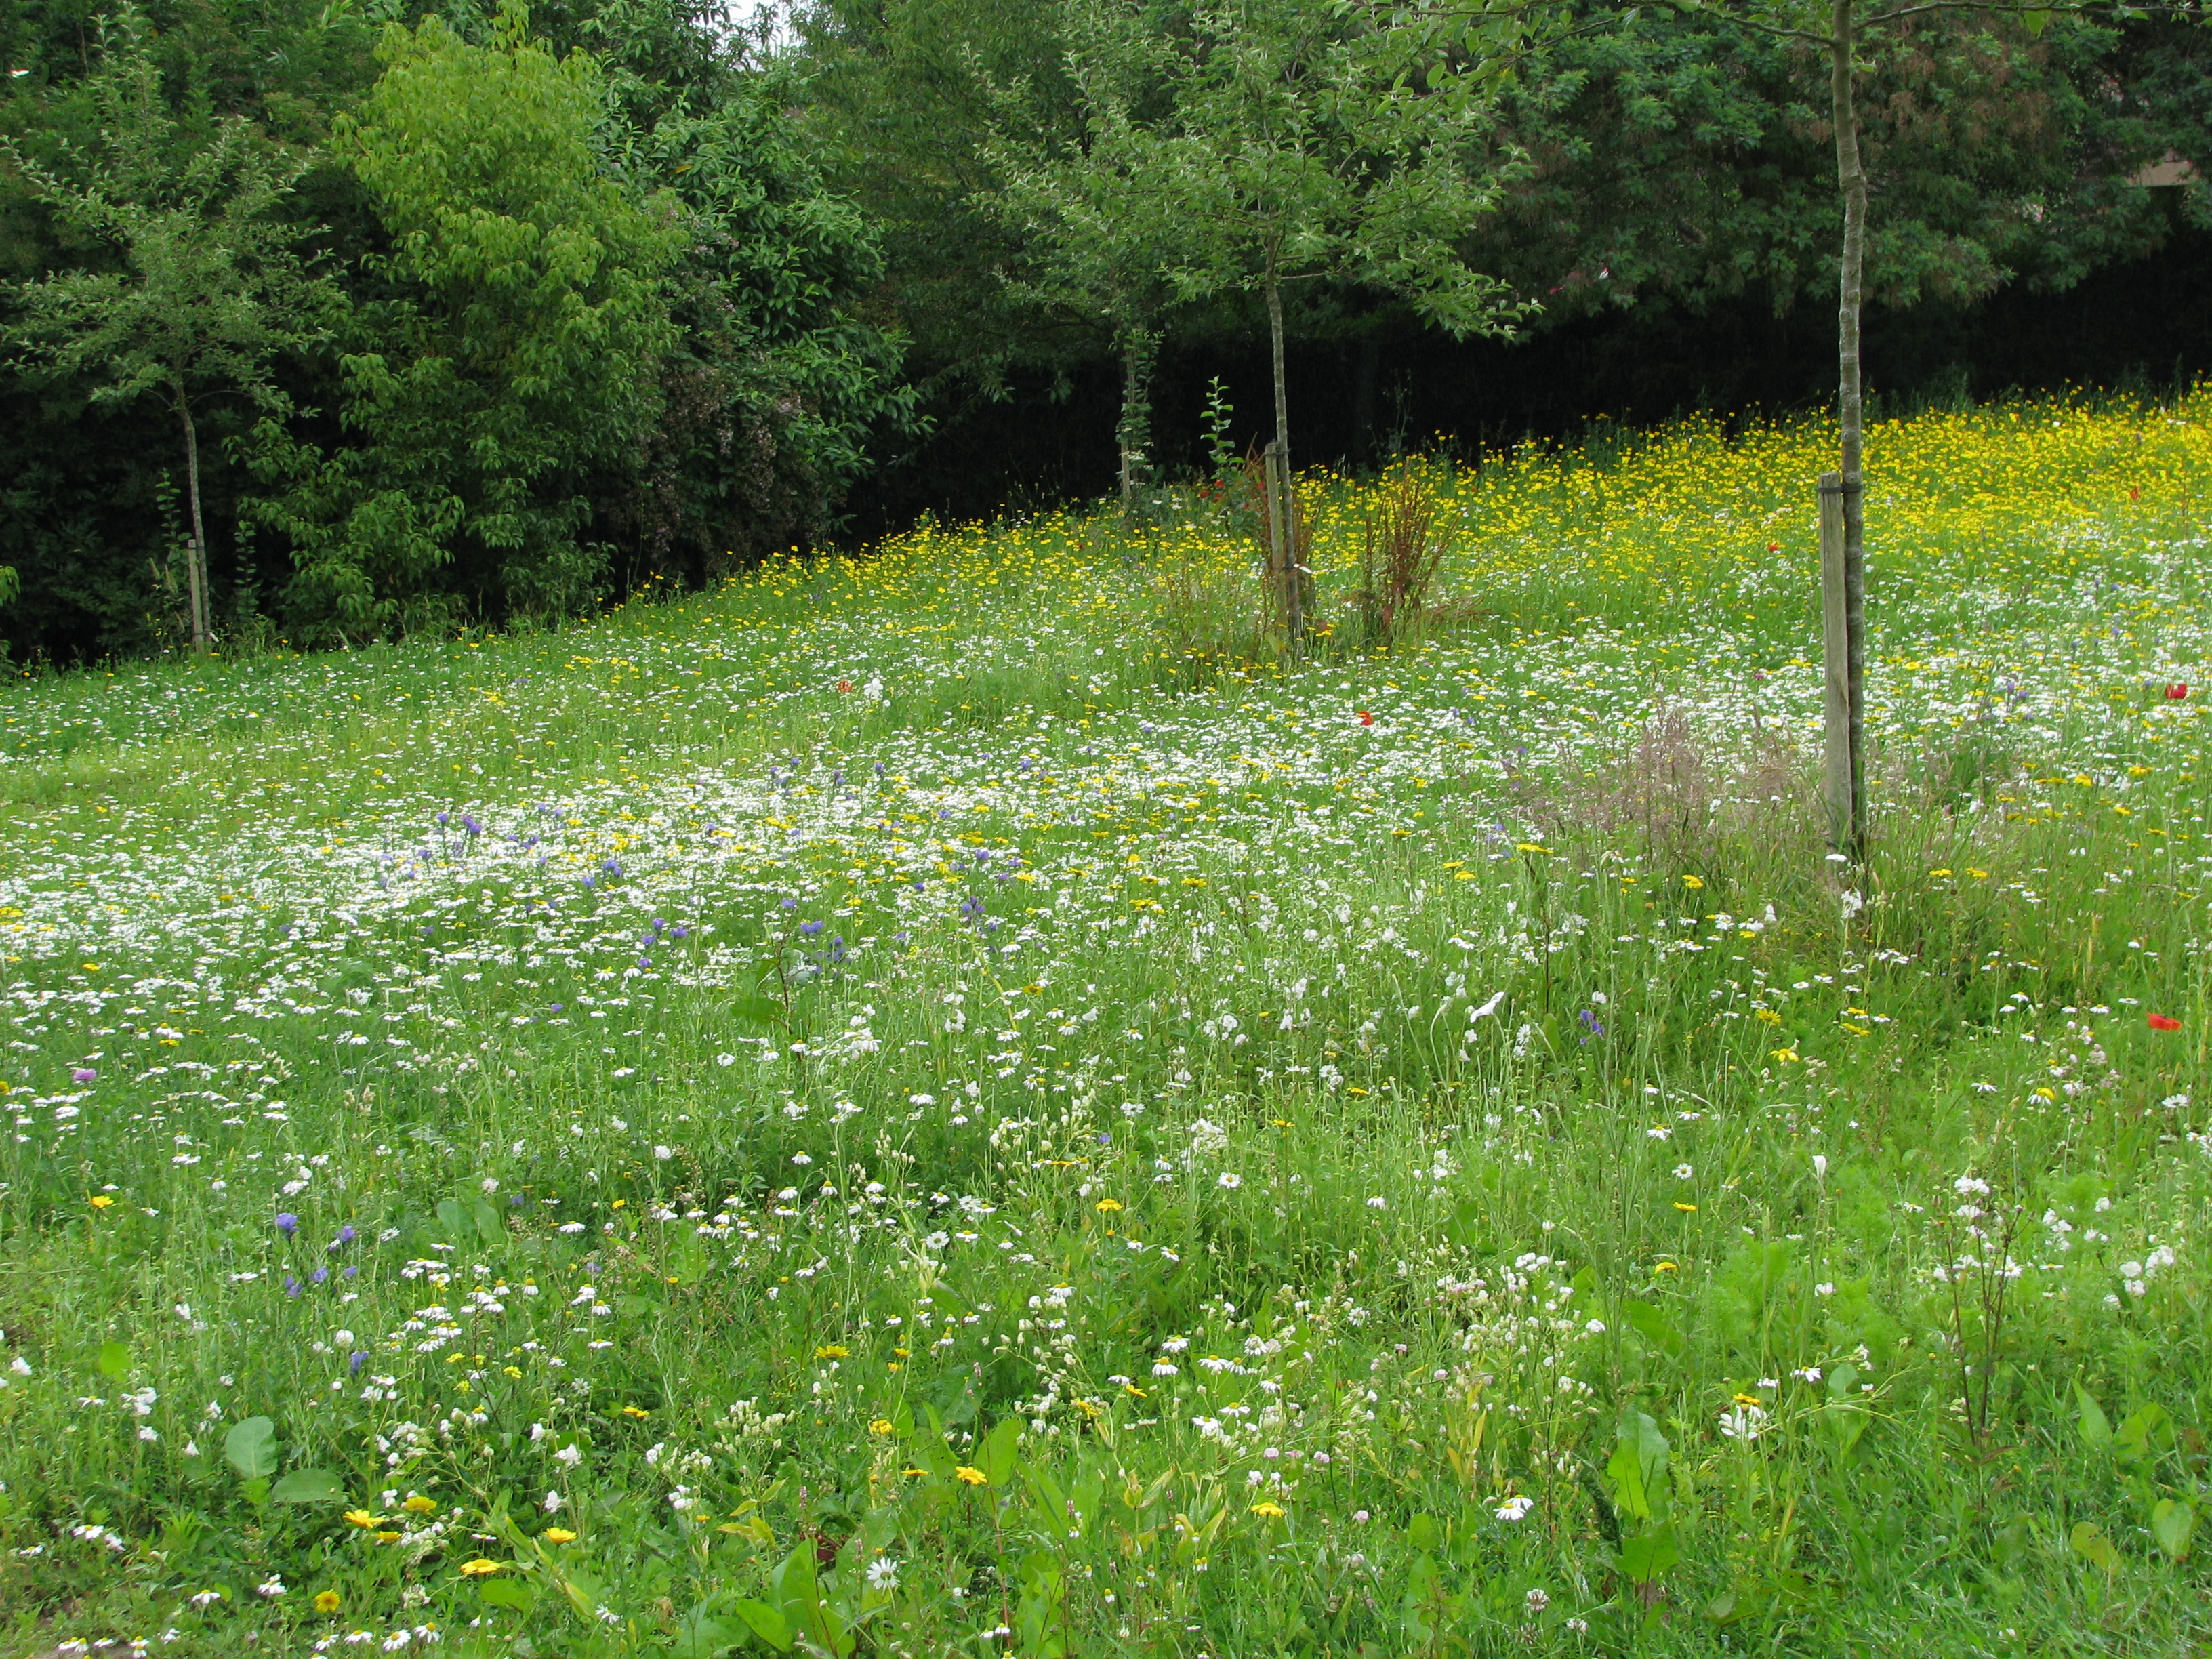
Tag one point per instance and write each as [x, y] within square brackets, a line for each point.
[1839, 774]
[1282, 553]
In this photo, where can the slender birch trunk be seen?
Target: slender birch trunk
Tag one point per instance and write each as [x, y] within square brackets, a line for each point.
[195, 557]
[1850, 176]
[1286, 537]
[1135, 433]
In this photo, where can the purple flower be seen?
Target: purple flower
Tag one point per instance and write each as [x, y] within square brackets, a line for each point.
[287, 1223]
[291, 1286]
[809, 928]
[352, 1273]
[318, 1276]
[356, 1362]
[346, 1233]
[84, 1074]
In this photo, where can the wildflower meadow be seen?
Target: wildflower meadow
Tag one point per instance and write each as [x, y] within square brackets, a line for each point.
[959, 1100]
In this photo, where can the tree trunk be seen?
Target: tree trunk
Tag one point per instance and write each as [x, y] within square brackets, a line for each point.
[1135, 433]
[1291, 575]
[195, 556]
[1850, 176]
[1275, 346]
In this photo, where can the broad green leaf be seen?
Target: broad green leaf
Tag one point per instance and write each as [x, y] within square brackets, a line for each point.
[996, 1455]
[488, 1223]
[251, 1448]
[1654, 1327]
[760, 1013]
[2090, 1543]
[1089, 1491]
[767, 1623]
[2172, 1522]
[309, 1487]
[1422, 1533]
[702, 1636]
[2096, 1428]
[1638, 1462]
[2133, 1436]
[506, 1593]
[114, 1361]
[585, 1593]
[1051, 1498]
[454, 1219]
[1645, 1556]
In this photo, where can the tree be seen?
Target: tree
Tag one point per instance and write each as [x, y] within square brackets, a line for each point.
[1085, 196]
[903, 95]
[1316, 140]
[774, 386]
[1847, 25]
[199, 288]
[511, 342]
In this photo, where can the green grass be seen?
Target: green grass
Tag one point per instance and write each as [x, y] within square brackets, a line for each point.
[1416, 1153]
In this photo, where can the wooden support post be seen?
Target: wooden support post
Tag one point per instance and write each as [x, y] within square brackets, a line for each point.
[1839, 774]
[1282, 546]
[1855, 651]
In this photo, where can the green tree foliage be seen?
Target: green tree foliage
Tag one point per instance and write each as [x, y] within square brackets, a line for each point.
[906, 95]
[1315, 142]
[1680, 157]
[1085, 197]
[194, 287]
[774, 388]
[596, 319]
[513, 343]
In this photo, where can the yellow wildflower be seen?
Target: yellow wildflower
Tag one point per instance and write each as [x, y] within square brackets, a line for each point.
[972, 1477]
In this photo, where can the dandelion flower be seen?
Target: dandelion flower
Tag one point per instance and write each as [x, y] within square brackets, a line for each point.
[326, 1601]
[967, 1476]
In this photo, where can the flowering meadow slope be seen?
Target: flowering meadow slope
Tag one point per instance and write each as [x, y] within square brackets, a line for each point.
[942, 1102]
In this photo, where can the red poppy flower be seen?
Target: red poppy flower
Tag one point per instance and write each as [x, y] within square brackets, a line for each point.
[2161, 1022]
[2176, 693]
[844, 685]
[2135, 492]
[1366, 718]
[1774, 547]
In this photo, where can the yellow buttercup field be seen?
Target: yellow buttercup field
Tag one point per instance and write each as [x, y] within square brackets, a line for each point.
[962, 1099]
